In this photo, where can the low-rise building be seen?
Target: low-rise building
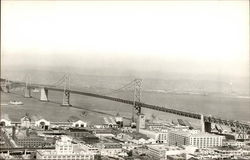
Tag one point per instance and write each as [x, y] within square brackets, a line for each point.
[110, 149]
[234, 143]
[229, 151]
[162, 151]
[42, 123]
[78, 132]
[79, 123]
[5, 120]
[65, 149]
[100, 133]
[25, 138]
[158, 136]
[200, 139]
[26, 121]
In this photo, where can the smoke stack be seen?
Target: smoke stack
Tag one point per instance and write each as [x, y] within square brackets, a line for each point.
[202, 123]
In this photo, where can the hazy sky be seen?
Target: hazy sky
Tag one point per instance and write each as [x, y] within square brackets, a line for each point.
[167, 36]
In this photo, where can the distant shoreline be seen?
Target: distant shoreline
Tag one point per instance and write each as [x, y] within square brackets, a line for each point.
[199, 94]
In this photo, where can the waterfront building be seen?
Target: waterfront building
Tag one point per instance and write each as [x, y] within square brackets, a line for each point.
[79, 123]
[158, 136]
[42, 123]
[65, 150]
[5, 120]
[200, 139]
[26, 121]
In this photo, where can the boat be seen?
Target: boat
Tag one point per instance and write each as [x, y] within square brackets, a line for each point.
[16, 102]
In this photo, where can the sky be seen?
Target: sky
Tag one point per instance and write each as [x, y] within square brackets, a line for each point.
[209, 37]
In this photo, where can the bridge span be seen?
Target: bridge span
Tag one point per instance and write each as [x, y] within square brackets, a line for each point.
[137, 105]
[208, 119]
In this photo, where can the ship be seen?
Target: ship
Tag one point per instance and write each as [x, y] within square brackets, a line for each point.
[16, 102]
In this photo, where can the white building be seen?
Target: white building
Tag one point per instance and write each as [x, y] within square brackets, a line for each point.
[5, 121]
[79, 123]
[64, 149]
[110, 149]
[158, 136]
[234, 143]
[42, 123]
[161, 151]
[26, 121]
[197, 139]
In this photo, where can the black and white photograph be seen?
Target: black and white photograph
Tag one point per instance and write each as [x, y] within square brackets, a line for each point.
[125, 80]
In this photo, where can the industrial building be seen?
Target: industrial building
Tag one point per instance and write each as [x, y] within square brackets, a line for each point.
[200, 139]
[65, 149]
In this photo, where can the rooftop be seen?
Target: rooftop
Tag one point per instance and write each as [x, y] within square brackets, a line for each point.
[189, 133]
[112, 145]
[164, 147]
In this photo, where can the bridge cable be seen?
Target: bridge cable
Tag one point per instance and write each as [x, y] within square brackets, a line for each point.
[59, 82]
[129, 85]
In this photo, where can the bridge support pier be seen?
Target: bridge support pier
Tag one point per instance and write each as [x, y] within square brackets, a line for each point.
[44, 95]
[66, 98]
[27, 92]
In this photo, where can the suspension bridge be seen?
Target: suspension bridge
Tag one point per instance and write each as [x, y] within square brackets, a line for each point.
[63, 85]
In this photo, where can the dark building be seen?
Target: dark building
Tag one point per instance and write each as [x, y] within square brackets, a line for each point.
[34, 141]
[83, 134]
[28, 139]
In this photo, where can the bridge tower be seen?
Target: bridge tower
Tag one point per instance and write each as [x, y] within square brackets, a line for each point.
[137, 98]
[66, 92]
[27, 89]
